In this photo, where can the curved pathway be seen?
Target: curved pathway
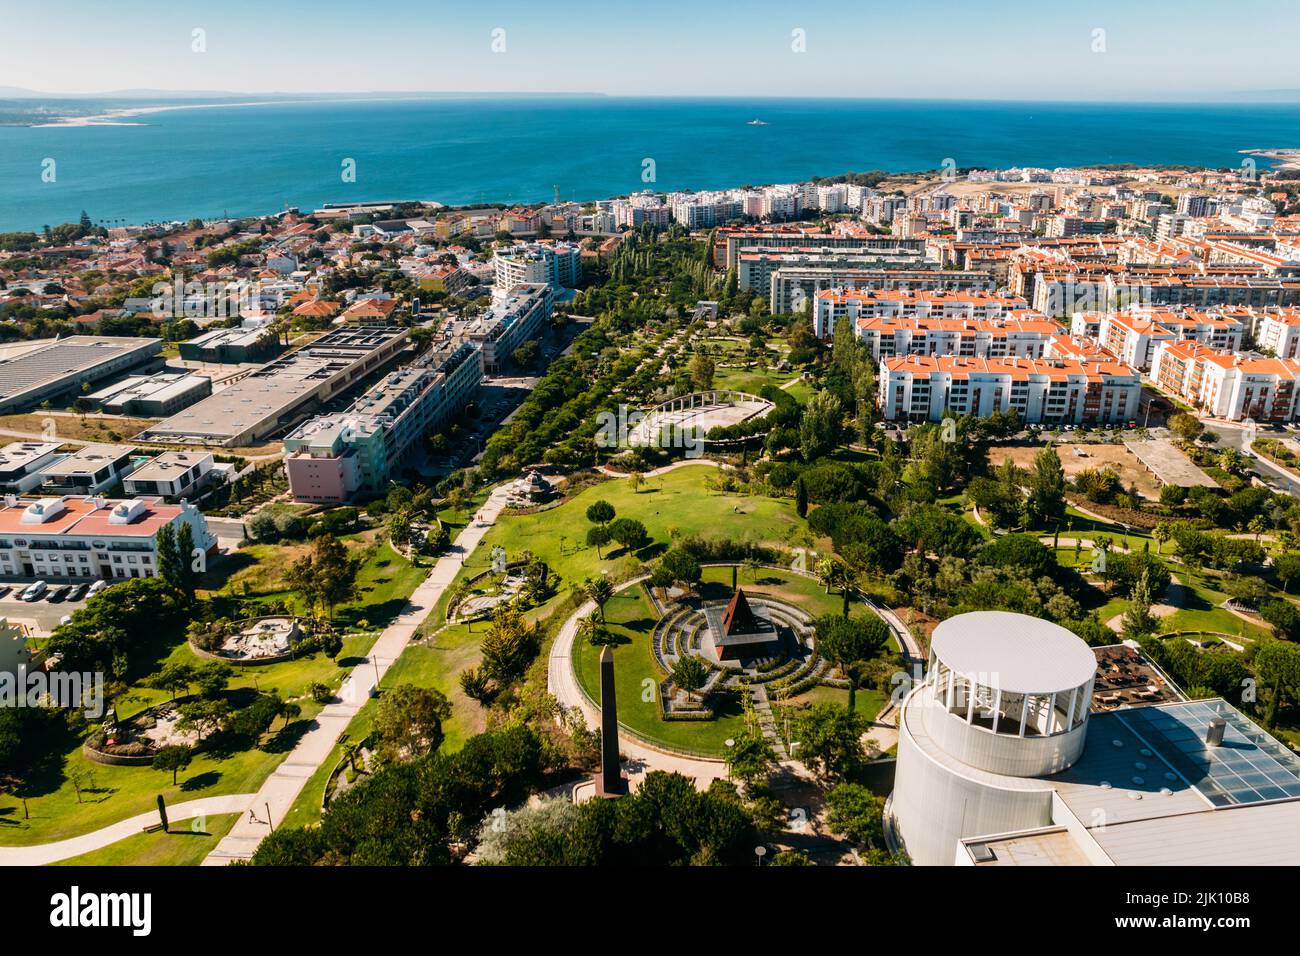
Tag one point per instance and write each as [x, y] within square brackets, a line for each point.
[46, 853]
[656, 472]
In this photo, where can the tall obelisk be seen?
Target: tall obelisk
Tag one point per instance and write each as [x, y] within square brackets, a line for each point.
[611, 782]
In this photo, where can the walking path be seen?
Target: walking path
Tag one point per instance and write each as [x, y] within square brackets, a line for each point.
[655, 473]
[47, 853]
[281, 789]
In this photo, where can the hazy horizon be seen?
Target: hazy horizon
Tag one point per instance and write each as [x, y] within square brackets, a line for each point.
[1010, 50]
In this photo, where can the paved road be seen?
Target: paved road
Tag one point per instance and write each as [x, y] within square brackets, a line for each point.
[281, 789]
[47, 853]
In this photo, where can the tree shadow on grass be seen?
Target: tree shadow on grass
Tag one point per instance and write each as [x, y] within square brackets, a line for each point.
[287, 737]
[200, 781]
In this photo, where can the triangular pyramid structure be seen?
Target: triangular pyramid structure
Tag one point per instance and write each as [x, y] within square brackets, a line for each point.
[739, 617]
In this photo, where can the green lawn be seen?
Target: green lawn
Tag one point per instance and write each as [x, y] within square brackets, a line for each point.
[110, 794]
[677, 501]
[637, 675]
[184, 846]
[437, 663]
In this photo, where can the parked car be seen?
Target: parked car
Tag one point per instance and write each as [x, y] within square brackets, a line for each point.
[97, 587]
[4, 590]
[78, 592]
[34, 591]
[58, 593]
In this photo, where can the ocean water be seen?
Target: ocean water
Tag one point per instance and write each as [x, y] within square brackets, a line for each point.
[245, 160]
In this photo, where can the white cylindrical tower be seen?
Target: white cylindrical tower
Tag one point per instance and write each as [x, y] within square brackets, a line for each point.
[1005, 701]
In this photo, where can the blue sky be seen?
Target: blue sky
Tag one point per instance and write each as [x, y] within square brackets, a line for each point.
[1153, 49]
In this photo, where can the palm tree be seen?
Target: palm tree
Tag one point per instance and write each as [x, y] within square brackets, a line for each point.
[590, 629]
[600, 591]
[1161, 533]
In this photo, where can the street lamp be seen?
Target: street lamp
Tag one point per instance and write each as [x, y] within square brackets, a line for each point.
[730, 742]
[760, 852]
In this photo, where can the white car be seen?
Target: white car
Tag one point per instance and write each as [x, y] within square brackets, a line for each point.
[34, 591]
[96, 588]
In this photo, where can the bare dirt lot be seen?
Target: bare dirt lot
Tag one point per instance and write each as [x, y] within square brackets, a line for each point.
[1123, 461]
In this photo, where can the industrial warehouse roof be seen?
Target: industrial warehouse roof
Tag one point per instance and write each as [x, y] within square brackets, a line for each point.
[1014, 652]
[275, 389]
[66, 359]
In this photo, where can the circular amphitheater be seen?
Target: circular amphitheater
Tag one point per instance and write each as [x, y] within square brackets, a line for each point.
[790, 667]
[696, 414]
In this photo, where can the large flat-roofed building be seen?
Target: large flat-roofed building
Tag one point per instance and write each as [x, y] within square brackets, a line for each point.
[233, 346]
[88, 470]
[21, 463]
[335, 456]
[173, 474]
[61, 368]
[69, 538]
[271, 397]
[1053, 391]
[1002, 762]
[510, 322]
[152, 396]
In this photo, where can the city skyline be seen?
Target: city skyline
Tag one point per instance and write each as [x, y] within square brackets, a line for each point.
[1109, 52]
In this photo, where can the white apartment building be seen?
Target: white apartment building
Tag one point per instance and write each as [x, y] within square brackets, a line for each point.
[70, 538]
[558, 265]
[1228, 386]
[831, 305]
[926, 388]
[1279, 332]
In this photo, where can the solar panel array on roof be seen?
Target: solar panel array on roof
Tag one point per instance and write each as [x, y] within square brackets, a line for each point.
[1249, 766]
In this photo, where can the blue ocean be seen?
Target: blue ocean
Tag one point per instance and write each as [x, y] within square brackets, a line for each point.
[257, 159]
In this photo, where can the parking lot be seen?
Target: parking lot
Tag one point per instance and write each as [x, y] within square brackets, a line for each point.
[41, 617]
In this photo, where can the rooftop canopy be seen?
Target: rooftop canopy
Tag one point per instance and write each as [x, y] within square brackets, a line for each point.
[1013, 652]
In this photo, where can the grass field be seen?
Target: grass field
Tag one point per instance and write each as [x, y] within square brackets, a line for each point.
[678, 501]
[184, 846]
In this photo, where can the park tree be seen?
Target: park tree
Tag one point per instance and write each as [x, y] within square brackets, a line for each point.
[857, 814]
[689, 673]
[830, 740]
[174, 758]
[597, 537]
[849, 643]
[1138, 620]
[173, 678]
[409, 720]
[1277, 666]
[599, 590]
[509, 646]
[600, 512]
[630, 533]
[1045, 504]
[1186, 426]
[1287, 568]
[749, 758]
[326, 576]
[476, 685]
[682, 567]
[821, 425]
[801, 498]
[702, 371]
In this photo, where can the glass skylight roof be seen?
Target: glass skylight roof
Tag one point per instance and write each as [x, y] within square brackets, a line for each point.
[1250, 766]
